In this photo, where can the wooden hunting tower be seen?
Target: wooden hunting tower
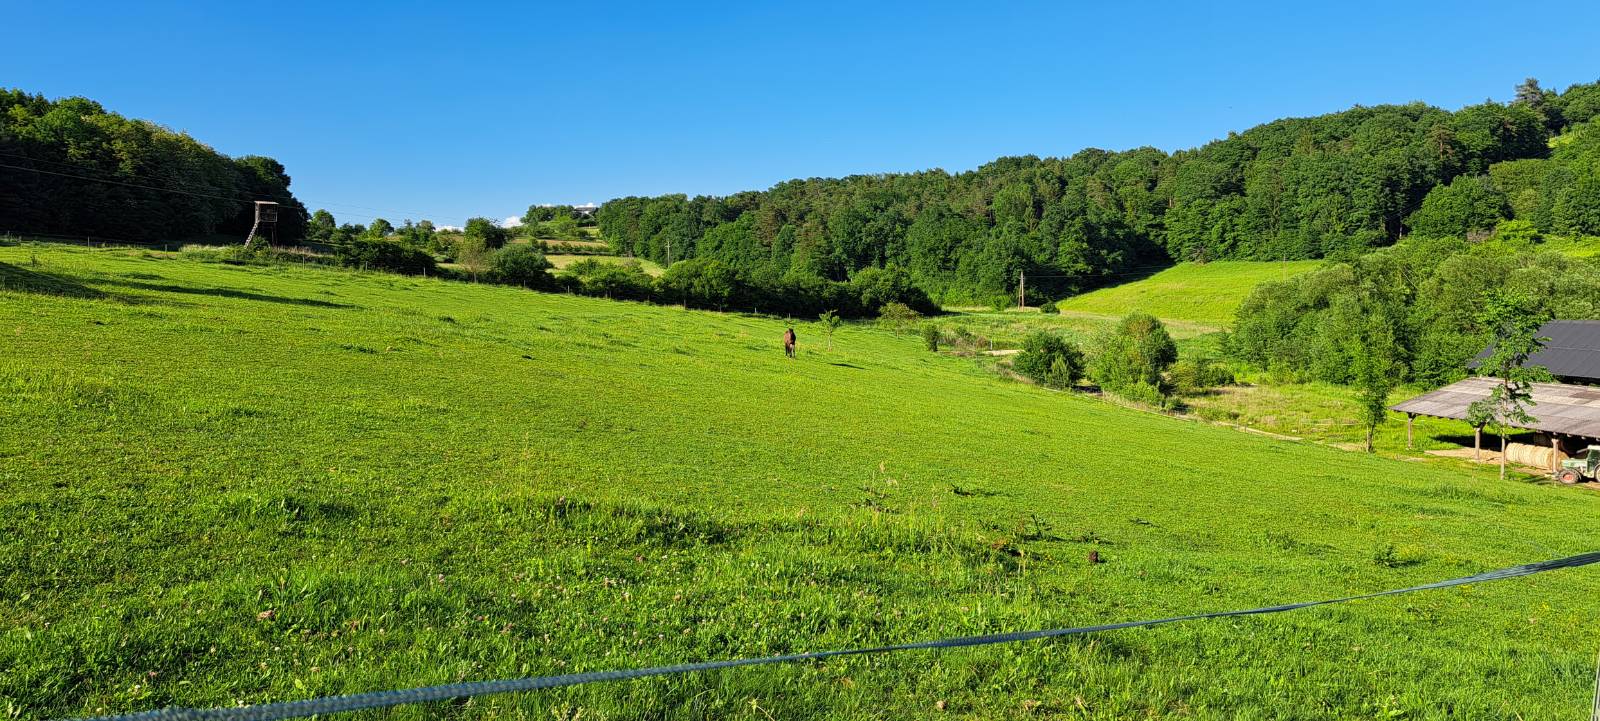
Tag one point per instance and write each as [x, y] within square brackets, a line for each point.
[266, 215]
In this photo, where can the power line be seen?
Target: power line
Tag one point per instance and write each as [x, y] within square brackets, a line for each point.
[280, 198]
[83, 167]
[118, 182]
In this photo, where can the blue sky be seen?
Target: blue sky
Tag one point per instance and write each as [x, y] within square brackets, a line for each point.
[447, 110]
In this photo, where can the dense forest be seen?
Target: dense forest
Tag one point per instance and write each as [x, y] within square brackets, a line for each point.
[1420, 303]
[1333, 186]
[70, 167]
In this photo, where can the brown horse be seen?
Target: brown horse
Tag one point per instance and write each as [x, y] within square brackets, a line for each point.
[788, 342]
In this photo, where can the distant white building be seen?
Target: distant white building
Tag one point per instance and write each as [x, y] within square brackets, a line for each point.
[586, 210]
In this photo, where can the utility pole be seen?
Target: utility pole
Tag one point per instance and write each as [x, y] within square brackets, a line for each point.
[1022, 290]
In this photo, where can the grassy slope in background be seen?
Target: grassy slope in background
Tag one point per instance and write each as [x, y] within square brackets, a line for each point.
[226, 484]
[1207, 293]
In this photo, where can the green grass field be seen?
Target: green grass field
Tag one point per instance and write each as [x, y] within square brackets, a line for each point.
[224, 484]
[1207, 293]
[562, 261]
[1583, 247]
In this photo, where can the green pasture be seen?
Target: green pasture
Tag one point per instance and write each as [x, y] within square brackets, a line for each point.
[231, 484]
[562, 261]
[1206, 293]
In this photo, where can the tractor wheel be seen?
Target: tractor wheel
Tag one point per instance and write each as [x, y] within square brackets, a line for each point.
[1568, 476]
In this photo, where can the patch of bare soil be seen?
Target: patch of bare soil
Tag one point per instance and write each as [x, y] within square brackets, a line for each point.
[1466, 453]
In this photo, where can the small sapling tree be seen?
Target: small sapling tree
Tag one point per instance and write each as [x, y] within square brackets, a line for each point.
[1375, 368]
[830, 321]
[472, 255]
[1513, 321]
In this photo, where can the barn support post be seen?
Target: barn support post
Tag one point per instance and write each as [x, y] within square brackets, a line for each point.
[1477, 443]
[1555, 452]
[1410, 417]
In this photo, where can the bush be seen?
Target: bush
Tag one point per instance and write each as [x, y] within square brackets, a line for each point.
[1137, 350]
[1191, 376]
[897, 316]
[255, 254]
[385, 254]
[1050, 360]
[1050, 308]
[1145, 393]
[1001, 302]
[702, 282]
[878, 287]
[930, 337]
[520, 265]
[625, 281]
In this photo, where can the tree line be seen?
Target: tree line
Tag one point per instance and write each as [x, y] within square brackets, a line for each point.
[483, 250]
[1416, 310]
[72, 168]
[1332, 186]
[1418, 307]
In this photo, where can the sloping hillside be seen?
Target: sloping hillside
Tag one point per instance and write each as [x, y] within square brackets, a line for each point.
[1207, 293]
[224, 484]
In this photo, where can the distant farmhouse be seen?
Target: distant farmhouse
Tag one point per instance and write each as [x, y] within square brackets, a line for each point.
[1566, 414]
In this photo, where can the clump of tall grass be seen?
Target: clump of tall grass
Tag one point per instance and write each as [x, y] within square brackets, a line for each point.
[255, 255]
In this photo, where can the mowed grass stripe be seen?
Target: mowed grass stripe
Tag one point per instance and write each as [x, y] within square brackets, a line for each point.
[419, 481]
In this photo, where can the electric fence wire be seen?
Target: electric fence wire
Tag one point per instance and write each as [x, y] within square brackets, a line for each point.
[386, 699]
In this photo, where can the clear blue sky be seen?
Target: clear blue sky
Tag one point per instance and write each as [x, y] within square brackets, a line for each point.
[446, 110]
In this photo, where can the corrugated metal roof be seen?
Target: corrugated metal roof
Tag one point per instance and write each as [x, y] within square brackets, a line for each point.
[1573, 350]
[1558, 407]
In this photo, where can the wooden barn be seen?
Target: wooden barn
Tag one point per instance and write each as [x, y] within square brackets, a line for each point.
[1565, 413]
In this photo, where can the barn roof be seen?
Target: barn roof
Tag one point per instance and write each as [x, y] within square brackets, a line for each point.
[1558, 407]
[1573, 350]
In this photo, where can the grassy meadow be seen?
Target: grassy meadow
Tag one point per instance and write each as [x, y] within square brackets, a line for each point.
[228, 484]
[1205, 293]
[561, 261]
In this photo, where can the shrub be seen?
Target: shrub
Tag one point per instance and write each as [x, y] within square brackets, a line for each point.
[1190, 376]
[897, 316]
[878, 287]
[1050, 360]
[930, 336]
[1050, 308]
[255, 254]
[703, 282]
[520, 265]
[1000, 301]
[626, 281]
[202, 253]
[385, 254]
[1137, 350]
[1146, 393]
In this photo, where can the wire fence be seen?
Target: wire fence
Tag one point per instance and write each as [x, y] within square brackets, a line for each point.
[447, 692]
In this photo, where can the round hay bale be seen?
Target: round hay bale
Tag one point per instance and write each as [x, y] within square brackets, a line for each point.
[1541, 457]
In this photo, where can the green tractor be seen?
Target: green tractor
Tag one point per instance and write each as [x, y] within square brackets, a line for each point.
[1582, 468]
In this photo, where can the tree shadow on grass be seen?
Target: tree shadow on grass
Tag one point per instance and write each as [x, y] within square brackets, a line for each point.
[227, 293]
[15, 278]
